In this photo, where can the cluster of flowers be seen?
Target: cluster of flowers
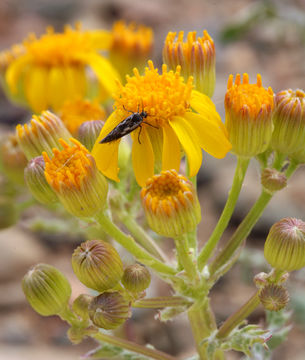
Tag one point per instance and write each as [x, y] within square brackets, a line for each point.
[67, 162]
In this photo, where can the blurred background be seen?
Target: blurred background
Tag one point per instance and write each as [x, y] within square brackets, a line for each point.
[266, 37]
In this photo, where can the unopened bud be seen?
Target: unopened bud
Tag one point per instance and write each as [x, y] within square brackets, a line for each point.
[81, 305]
[273, 180]
[260, 280]
[274, 297]
[97, 265]
[36, 182]
[109, 310]
[285, 245]
[46, 289]
[136, 278]
[89, 131]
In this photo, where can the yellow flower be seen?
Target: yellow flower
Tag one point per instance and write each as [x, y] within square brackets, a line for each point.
[53, 67]
[196, 57]
[169, 103]
[73, 176]
[75, 112]
[248, 115]
[130, 47]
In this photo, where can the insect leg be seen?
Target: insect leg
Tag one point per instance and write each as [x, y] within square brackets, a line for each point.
[139, 134]
[143, 122]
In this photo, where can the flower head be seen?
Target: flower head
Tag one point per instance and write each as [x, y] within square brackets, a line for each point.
[171, 124]
[170, 203]
[131, 46]
[53, 67]
[136, 278]
[41, 134]
[248, 115]
[75, 112]
[73, 176]
[274, 297]
[196, 56]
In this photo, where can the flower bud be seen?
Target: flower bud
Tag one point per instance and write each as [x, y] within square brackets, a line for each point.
[73, 175]
[273, 180]
[136, 278]
[109, 310]
[288, 118]
[274, 297]
[248, 116]
[88, 132]
[260, 280]
[41, 134]
[46, 289]
[13, 159]
[196, 56]
[37, 183]
[81, 305]
[97, 265]
[285, 245]
[8, 212]
[170, 203]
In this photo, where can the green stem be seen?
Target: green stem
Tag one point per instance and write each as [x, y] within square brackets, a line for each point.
[241, 232]
[291, 168]
[141, 236]
[240, 172]
[128, 345]
[130, 245]
[278, 160]
[161, 302]
[203, 323]
[184, 257]
[236, 318]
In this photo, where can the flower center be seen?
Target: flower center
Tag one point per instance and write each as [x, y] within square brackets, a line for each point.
[68, 167]
[252, 96]
[161, 96]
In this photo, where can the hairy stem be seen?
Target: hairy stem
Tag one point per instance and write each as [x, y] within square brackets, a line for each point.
[185, 257]
[161, 302]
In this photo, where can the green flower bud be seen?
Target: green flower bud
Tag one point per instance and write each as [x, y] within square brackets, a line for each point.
[81, 305]
[273, 180]
[37, 183]
[97, 265]
[274, 297]
[136, 278]
[8, 212]
[46, 289]
[109, 310]
[285, 245]
[89, 131]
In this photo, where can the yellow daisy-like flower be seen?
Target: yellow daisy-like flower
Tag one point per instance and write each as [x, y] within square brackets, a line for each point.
[75, 112]
[180, 117]
[53, 67]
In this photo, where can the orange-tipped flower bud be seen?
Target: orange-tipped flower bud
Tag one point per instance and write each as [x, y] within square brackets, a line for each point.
[97, 265]
[248, 116]
[88, 132]
[274, 297]
[81, 304]
[170, 203]
[196, 56]
[288, 118]
[41, 134]
[37, 183]
[73, 175]
[285, 245]
[136, 278]
[273, 180]
[46, 289]
[109, 310]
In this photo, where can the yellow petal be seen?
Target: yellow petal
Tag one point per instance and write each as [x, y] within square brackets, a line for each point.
[171, 153]
[142, 157]
[106, 158]
[205, 107]
[189, 142]
[14, 71]
[211, 136]
[103, 69]
[112, 121]
[76, 82]
[35, 84]
[57, 87]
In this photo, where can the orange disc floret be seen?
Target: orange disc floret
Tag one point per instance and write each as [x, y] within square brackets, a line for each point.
[170, 203]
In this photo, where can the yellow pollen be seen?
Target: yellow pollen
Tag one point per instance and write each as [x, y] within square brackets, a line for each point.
[74, 113]
[250, 97]
[131, 39]
[69, 167]
[162, 96]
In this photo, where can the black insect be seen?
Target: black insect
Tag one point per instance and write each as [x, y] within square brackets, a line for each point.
[133, 121]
